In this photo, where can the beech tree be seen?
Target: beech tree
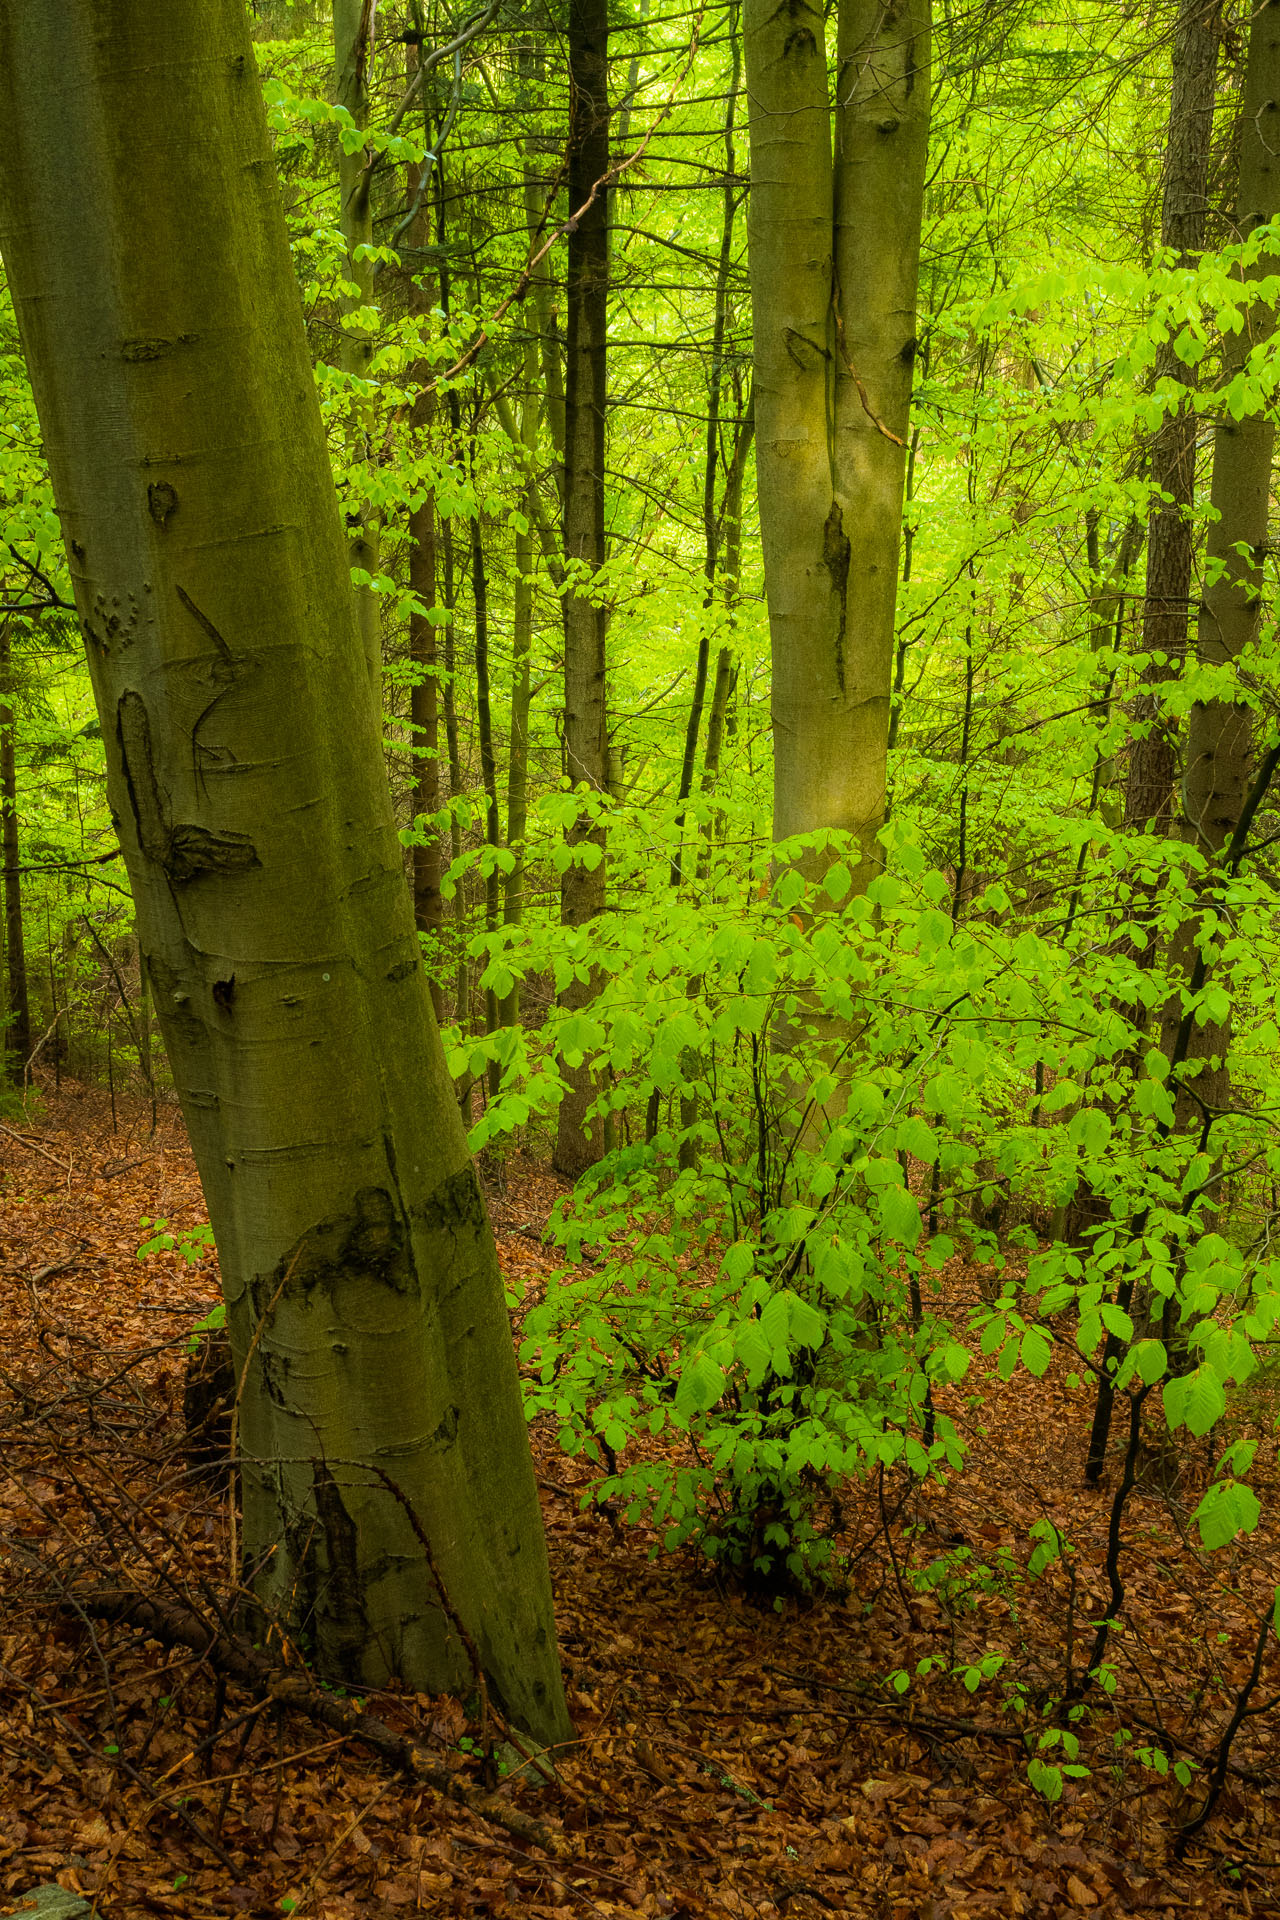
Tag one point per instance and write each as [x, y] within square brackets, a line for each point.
[834, 239]
[1149, 794]
[383, 1447]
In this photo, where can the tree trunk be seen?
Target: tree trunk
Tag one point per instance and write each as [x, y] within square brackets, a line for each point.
[1220, 732]
[579, 1142]
[424, 717]
[726, 665]
[712, 523]
[834, 246]
[162, 328]
[1152, 773]
[521, 656]
[424, 692]
[352, 47]
[15, 1036]
[488, 756]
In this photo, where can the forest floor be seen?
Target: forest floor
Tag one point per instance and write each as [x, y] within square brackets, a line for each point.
[731, 1759]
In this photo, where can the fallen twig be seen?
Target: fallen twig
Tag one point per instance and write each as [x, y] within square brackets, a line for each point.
[227, 1654]
[33, 1146]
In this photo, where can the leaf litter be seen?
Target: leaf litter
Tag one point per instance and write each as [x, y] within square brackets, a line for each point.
[730, 1759]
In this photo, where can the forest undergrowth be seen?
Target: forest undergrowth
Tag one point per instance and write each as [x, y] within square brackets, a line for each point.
[863, 1752]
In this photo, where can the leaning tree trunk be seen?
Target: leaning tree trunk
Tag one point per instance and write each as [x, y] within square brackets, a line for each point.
[141, 227]
[579, 1141]
[834, 245]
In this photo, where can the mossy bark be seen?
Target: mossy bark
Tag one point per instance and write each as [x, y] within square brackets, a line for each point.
[834, 234]
[140, 224]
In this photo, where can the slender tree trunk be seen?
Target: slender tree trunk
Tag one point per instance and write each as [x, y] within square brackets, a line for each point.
[424, 693]
[542, 298]
[424, 716]
[352, 48]
[462, 1001]
[711, 522]
[726, 668]
[1152, 777]
[521, 657]
[903, 646]
[834, 246]
[15, 1038]
[579, 1142]
[488, 757]
[381, 1405]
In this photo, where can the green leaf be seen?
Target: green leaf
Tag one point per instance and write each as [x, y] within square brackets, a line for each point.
[1195, 1402]
[1116, 1320]
[1151, 1361]
[1227, 1509]
[956, 1360]
[901, 1215]
[917, 1137]
[739, 1261]
[700, 1386]
[753, 1351]
[1037, 1350]
[789, 890]
[775, 1321]
[1045, 1778]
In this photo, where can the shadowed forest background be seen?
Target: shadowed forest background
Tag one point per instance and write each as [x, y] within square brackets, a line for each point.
[705, 789]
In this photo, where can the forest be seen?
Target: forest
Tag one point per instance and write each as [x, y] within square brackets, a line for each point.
[640, 1096]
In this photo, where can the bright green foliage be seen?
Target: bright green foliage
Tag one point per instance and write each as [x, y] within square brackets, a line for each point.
[815, 1101]
[764, 1306]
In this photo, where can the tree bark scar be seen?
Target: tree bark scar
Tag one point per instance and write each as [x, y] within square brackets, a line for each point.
[183, 851]
[153, 346]
[226, 667]
[367, 1241]
[795, 340]
[800, 39]
[224, 671]
[133, 726]
[455, 1203]
[340, 1586]
[836, 551]
[322, 1541]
